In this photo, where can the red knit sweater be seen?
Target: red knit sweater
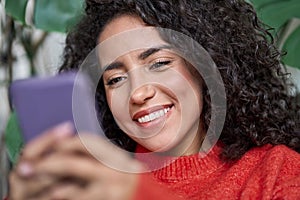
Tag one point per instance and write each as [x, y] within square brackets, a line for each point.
[268, 172]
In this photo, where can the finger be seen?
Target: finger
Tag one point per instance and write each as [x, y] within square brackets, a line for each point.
[104, 151]
[16, 186]
[74, 145]
[61, 165]
[29, 188]
[38, 186]
[42, 144]
[75, 192]
[66, 191]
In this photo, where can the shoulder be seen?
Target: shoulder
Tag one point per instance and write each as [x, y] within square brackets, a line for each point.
[282, 150]
[277, 161]
[275, 172]
[279, 154]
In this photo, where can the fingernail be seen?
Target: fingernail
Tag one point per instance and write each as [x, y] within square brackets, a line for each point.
[25, 169]
[64, 129]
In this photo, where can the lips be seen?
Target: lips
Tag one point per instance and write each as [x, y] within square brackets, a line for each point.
[151, 114]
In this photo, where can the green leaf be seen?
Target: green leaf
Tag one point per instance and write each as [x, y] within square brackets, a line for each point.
[16, 8]
[276, 13]
[292, 47]
[260, 3]
[13, 138]
[57, 15]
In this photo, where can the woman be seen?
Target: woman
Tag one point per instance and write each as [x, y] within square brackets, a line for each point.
[255, 156]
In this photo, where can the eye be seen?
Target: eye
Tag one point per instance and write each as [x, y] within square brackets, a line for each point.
[115, 80]
[159, 65]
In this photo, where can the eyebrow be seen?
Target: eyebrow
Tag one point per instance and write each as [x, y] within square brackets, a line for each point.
[151, 51]
[114, 65]
[142, 56]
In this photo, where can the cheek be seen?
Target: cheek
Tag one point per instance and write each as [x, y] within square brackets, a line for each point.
[195, 82]
[186, 87]
[108, 98]
[115, 108]
[118, 104]
[113, 103]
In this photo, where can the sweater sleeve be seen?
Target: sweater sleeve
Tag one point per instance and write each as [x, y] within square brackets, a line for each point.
[149, 189]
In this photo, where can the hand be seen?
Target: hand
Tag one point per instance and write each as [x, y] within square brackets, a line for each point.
[58, 166]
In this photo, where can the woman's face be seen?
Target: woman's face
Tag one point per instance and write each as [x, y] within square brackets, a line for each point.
[151, 92]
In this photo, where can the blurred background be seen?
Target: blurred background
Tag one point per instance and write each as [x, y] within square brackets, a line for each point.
[32, 34]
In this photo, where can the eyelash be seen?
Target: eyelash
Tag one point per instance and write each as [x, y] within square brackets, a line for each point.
[157, 65]
[115, 80]
[154, 67]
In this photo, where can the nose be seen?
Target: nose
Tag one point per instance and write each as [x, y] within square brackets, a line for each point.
[142, 94]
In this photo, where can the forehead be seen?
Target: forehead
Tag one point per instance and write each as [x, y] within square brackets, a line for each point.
[120, 24]
[123, 35]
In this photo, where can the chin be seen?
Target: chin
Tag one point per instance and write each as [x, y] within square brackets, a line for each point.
[159, 147]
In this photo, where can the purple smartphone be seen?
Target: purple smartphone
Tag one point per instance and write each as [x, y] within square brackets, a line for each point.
[42, 103]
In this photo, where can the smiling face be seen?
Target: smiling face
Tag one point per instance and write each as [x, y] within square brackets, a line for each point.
[152, 94]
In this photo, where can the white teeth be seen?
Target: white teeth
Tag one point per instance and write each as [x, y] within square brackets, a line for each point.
[147, 118]
[153, 116]
[161, 113]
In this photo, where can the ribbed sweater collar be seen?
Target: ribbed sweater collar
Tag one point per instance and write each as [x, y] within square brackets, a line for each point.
[183, 167]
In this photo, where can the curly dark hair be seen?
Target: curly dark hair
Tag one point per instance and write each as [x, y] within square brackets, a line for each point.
[260, 109]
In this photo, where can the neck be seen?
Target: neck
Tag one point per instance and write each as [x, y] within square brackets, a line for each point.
[191, 144]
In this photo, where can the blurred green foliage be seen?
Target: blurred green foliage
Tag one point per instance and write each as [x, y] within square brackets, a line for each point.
[48, 15]
[280, 15]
